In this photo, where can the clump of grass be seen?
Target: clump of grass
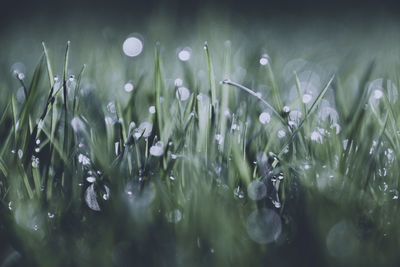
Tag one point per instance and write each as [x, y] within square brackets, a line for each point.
[201, 181]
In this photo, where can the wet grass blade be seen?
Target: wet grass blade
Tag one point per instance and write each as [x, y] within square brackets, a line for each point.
[251, 92]
[275, 89]
[310, 111]
[49, 68]
[211, 77]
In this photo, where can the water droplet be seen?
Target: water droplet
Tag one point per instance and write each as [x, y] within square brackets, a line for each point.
[182, 93]
[185, 54]
[174, 216]
[395, 193]
[264, 226]
[132, 46]
[378, 94]
[264, 60]
[264, 117]
[77, 124]
[144, 130]
[152, 109]
[111, 107]
[21, 76]
[316, 137]
[50, 215]
[256, 190]
[35, 162]
[37, 150]
[277, 204]
[281, 133]
[172, 178]
[91, 179]
[10, 205]
[158, 149]
[342, 240]
[307, 98]
[106, 196]
[35, 227]
[83, 159]
[20, 153]
[90, 198]
[38, 141]
[18, 67]
[173, 156]
[390, 155]
[219, 138]
[128, 87]
[286, 109]
[178, 82]
[235, 127]
[336, 127]
[238, 192]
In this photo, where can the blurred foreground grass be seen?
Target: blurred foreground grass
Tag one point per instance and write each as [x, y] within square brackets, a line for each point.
[164, 159]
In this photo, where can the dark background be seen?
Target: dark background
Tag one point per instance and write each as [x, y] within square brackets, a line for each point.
[12, 11]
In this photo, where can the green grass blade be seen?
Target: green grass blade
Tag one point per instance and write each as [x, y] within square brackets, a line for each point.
[251, 92]
[49, 68]
[310, 111]
[211, 77]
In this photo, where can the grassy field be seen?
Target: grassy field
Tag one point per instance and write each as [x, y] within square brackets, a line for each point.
[216, 143]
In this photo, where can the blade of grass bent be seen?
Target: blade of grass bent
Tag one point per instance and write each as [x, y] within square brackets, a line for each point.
[311, 110]
[251, 92]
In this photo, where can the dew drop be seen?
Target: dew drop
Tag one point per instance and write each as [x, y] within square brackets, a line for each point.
[286, 109]
[90, 198]
[91, 179]
[281, 134]
[182, 93]
[106, 196]
[256, 190]
[264, 60]
[128, 87]
[132, 46]
[83, 159]
[158, 149]
[307, 98]
[174, 216]
[378, 94]
[77, 124]
[238, 192]
[185, 54]
[342, 240]
[21, 76]
[316, 137]
[152, 109]
[264, 226]
[264, 118]
[178, 82]
[20, 153]
[144, 129]
[219, 138]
